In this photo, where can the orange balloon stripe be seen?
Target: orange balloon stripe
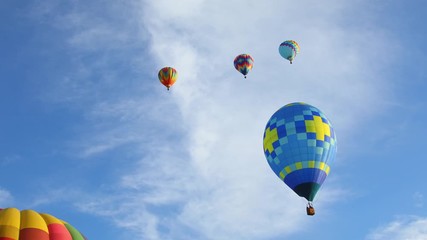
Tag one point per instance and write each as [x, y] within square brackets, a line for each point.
[168, 82]
[33, 234]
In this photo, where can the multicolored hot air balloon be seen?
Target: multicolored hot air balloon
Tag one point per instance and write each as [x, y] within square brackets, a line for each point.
[299, 144]
[243, 63]
[167, 77]
[289, 50]
[30, 225]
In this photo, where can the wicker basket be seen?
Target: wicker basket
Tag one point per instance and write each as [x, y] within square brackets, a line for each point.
[310, 210]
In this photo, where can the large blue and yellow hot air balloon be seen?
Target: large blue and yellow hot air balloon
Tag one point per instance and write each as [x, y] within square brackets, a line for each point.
[299, 144]
[31, 225]
[243, 63]
[289, 50]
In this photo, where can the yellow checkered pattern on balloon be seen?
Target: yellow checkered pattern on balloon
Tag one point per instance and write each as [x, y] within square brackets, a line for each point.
[304, 164]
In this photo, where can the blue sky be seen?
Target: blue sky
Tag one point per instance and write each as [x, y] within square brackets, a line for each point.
[88, 134]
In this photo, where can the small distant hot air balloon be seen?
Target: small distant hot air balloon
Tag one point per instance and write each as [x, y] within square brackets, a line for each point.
[289, 50]
[168, 76]
[299, 144]
[30, 225]
[243, 63]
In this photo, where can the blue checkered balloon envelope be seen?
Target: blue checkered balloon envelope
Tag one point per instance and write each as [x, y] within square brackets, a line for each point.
[299, 144]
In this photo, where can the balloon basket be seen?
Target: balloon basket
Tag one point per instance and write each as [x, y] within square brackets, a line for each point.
[310, 211]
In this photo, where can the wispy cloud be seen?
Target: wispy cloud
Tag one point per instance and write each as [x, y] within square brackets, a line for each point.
[6, 160]
[411, 227]
[200, 170]
[418, 198]
[6, 198]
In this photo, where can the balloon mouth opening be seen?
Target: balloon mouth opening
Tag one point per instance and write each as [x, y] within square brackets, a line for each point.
[307, 190]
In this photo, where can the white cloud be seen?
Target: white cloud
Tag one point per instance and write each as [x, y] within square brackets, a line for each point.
[418, 199]
[6, 160]
[6, 198]
[125, 213]
[201, 171]
[90, 27]
[225, 115]
[405, 228]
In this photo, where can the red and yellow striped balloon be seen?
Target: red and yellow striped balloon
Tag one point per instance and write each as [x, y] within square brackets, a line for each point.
[31, 225]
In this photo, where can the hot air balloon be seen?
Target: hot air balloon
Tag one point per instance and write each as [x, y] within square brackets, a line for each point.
[289, 49]
[168, 76]
[30, 225]
[299, 144]
[243, 63]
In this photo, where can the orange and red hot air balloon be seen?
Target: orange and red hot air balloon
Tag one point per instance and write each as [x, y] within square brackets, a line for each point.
[31, 225]
[168, 76]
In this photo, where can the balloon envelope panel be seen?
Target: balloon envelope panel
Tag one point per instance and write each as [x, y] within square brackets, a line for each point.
[30, 225]
[299, 144]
